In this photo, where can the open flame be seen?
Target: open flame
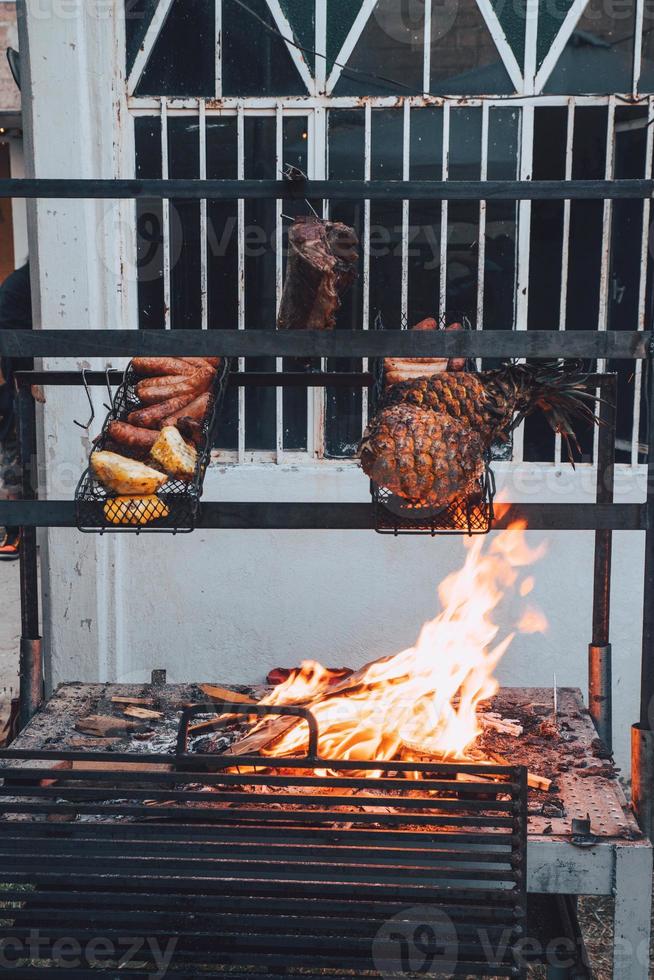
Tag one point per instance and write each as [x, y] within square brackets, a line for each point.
[425, 697]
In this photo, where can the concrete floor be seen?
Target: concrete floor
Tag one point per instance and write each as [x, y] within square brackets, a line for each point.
[9, 630]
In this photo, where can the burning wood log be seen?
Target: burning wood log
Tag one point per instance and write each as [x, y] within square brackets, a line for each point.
[144, 714]
[137, 702]
[533, 780]
[507, 726]
[105, 726]
[215, 693]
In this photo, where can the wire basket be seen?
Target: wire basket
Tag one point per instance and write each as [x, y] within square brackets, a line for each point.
[176, 508]
[472, 513]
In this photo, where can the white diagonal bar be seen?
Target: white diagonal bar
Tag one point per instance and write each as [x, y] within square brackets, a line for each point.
[501, 43]
[297, 56]
[345, 53]
[559, 43]
[159, 18]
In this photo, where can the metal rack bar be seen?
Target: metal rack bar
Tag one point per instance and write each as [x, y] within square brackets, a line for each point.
[599, 652]
[349, 516]
[334, 190]
[31, 654]
[535, 344]
[239, 379]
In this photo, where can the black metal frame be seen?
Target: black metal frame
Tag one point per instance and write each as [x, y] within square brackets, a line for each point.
[250, 865]
[603, 516]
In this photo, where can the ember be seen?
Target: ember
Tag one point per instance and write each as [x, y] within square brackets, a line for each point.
[427, 695]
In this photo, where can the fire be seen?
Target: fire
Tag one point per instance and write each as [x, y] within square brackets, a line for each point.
[428, 695]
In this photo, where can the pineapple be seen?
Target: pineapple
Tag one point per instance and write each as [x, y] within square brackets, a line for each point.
[422, 456]
[427, 443]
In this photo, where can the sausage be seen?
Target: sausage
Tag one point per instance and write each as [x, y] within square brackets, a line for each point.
[192, 431]
[156, 390]
[195, 411]
[456, 363]
[152, 416]
[213, 362]
[131, 439]
[157, 367]
[428, 324]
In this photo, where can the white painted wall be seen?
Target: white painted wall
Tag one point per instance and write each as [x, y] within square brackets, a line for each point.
[230, 605]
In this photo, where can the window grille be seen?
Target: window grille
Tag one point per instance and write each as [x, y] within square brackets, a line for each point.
[395, 90]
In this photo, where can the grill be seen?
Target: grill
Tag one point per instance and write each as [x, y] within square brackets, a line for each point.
[308, 867]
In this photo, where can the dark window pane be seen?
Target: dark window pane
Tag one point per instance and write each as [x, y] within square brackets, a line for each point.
[346, 162]
[184, 162]
[222, 254]
[184, 57]
[256, 60]
[550, 20]
[260, 277]
[463, 216]
[149, 226]
[464, 59]
[301, 16]
[626, 242]
[500, 255]
[386, 218]
[586, 222]
[598, 58]
[388, 58]
[295, 399]
[425, 216]
[341, 15]
[512, 21]
[550, 135]
[646, 82]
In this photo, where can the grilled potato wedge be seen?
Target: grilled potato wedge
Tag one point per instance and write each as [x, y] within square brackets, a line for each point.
[135, 511]
[173, 455]
[125, 476]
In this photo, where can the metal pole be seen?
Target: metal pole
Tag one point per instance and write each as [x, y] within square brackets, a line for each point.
[599, 651]
[642, 735]
[31, 659]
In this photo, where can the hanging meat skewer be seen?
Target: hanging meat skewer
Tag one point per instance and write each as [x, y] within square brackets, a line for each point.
[322, 265]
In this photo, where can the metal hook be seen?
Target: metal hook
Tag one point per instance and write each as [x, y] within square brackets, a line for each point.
[88, 395]
[295, 174]
[110, 406]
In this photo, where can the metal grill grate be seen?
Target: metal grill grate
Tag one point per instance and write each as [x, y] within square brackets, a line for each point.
[298, 868]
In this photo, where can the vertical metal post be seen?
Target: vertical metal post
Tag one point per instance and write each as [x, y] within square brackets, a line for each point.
[31, 659]
[642, 735]
[599, 650]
